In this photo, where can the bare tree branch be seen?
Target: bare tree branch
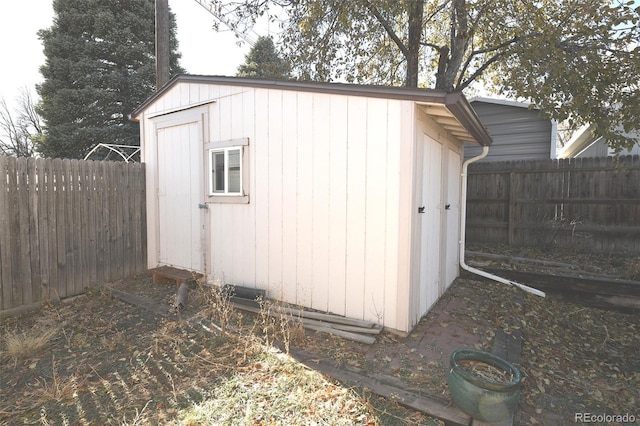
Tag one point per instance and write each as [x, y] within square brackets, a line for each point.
[477, 73]
[474, 53]
[388, 28]
[19, 130]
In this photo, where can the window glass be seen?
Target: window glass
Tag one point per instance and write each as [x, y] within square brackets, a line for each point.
[235, 183]
[218, 171]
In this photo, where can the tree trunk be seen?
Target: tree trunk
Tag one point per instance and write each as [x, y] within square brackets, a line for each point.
[415, 9]
[443, 61]
[450, 60]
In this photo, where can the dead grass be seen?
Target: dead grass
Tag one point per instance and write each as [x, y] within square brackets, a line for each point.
[267, 386]
[100, 360]
[22, 344]
[274, 389]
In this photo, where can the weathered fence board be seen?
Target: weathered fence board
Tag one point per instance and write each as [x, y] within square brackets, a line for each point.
[588, 204]
[68, 225]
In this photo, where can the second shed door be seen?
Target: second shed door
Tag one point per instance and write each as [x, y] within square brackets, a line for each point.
[430, 241]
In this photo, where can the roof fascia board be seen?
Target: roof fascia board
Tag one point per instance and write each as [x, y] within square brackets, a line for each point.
[387, 92]
[400, 93]
[462, 110]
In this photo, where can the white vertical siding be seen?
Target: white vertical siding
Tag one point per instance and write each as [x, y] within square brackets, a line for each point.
[395, 135]
[289, 194]
[260, 192]
[338, 123]
[356, 206]
[375, 207]
[275, 179]
[304, 198]
[321, 141]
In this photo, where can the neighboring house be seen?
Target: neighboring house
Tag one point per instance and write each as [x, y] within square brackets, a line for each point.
[585, 143]
[341, 198]
[518, 131]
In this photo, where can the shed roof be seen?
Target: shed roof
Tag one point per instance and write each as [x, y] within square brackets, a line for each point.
[451, 110]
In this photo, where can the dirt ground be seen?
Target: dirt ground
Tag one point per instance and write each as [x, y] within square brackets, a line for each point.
[109, 362]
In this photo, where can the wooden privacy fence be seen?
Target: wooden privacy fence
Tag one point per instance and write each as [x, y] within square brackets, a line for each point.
[588, 204]
[68, 225]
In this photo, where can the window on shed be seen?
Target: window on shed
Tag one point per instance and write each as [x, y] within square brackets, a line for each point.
[226, 171]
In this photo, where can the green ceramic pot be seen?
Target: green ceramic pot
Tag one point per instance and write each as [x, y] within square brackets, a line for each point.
[477, 395]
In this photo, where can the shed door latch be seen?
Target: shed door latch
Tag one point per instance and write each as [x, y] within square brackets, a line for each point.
[203, 206]
[421, 209]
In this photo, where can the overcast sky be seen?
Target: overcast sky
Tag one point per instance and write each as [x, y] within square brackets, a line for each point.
[204, 51]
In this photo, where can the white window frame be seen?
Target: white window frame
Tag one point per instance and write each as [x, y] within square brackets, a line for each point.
[226, 171]
[226, 146]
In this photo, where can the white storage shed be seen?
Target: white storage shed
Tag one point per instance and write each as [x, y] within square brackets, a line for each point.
[341, 198]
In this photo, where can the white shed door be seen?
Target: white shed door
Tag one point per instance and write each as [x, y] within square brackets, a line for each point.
[452, 213]
[180, 192]
[430, 243]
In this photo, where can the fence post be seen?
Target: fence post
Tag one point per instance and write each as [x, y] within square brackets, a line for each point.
[511, 233]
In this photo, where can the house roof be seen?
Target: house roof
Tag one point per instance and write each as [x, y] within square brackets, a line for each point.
[580, 140]
[451, 110]
[506, 102]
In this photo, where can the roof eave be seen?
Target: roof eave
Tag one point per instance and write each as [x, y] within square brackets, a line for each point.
[461, 109]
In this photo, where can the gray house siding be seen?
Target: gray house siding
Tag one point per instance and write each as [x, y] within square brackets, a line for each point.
[518, 133]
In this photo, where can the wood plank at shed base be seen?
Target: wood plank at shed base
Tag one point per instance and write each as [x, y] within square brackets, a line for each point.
[348, 328]
[172, 273]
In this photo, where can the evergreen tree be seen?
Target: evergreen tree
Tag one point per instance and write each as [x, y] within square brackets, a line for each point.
[263, 61]
[100, 65]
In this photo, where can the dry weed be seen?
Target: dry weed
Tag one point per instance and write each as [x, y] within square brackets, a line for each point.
[633, 270]
[217, 301]
[140, 418]
[279, 324]
[57, 388]
[25, 344]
